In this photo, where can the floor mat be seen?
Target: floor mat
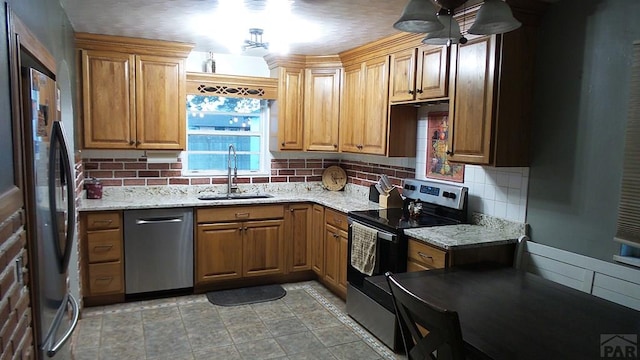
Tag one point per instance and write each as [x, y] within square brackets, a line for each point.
[248, 295]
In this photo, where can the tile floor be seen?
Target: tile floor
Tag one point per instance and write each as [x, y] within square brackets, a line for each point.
[309, 322]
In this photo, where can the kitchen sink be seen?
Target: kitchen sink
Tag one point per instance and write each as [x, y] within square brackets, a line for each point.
[235, 196]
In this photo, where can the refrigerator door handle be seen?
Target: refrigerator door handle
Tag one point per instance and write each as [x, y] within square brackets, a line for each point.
[58, 151]
[52, 349]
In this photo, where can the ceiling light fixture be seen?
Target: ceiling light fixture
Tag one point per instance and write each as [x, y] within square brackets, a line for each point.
[255, 40]
[419, 16]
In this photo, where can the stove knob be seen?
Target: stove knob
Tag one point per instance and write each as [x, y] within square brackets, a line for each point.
[452, 196]
[449, 195]
[409, 187]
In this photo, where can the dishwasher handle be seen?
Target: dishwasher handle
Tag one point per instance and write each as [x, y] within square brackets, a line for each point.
[158, 220]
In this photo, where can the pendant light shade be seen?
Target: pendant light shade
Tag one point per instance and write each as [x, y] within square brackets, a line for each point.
[494, 17]
[419, 16]
[447, 36]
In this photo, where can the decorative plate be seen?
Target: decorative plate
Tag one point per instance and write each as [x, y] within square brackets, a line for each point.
[334, 178]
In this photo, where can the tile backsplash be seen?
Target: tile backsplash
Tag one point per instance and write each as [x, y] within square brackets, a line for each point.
[499, 192]
[133, 170]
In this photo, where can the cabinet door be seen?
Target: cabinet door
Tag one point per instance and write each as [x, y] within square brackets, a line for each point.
[403, 76]
[298, 237]
[317, 240]
[218, 252]
[470, 130]
[160, 103]
[108, 102]
[376, 95]
[321, 109]
[351, 107]
[432, 80]
[332, 255]
[290, 106]
[343, 256]
[263, 250]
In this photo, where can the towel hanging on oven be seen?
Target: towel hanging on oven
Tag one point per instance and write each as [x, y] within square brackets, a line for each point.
[363, 248]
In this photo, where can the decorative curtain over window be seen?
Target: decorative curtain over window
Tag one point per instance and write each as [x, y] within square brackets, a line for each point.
[628, 231]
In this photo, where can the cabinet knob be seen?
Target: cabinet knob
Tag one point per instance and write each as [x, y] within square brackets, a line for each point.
[138, 142]
[411, 92]
[291, 210]
[449, 152]
[419, 91]
[282, 144]
[131, 142]
[335, 146]
[244, 228]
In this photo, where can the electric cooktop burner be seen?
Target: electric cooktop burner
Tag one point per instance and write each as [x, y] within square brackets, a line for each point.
[399, 219]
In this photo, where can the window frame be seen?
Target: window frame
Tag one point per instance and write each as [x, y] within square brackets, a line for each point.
[263, 135]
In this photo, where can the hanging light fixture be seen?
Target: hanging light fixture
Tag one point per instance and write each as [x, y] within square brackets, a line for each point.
[494, 17]
[255, 40]
[447, 36]
[419, 16]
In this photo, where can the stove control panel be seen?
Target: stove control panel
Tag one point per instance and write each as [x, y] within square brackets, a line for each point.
[444, 194]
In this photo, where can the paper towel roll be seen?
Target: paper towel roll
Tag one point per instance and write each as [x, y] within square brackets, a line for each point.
[155, 157]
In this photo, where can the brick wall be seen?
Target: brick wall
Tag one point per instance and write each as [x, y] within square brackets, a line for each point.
[16, 340]
[137, 172]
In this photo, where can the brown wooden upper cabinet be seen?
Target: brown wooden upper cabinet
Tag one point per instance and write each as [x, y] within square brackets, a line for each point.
[364, 108]
[491, 109]
[419, 74]
[289, 107]
[321, 109]
[133, 92]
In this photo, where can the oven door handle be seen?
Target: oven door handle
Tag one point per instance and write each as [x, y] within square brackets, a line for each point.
[386, 236]
[382, 235]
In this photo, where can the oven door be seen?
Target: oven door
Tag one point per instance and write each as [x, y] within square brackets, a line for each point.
[391, 254]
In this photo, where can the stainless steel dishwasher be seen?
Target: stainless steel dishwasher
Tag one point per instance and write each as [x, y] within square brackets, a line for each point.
[158, 250]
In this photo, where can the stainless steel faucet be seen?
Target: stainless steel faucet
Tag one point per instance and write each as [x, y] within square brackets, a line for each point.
[232, 186]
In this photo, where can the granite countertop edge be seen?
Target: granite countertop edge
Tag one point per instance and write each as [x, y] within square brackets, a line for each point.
[335, 200]
[487, 231]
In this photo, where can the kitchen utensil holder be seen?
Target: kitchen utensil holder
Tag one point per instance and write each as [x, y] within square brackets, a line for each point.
[391, 200]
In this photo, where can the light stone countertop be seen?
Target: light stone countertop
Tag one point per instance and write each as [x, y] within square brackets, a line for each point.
[139, 197]
[463, 236]
[487, 231]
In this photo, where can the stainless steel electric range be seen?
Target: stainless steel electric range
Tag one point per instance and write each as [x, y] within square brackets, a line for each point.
[369, 299]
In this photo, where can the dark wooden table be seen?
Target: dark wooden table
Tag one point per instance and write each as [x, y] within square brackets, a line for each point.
[509, 314]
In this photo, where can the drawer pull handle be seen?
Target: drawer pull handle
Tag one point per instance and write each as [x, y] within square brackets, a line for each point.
[108, 221]
[109, 278]
[339, 221]
[242, 215]
[425, 256]
[102, 247]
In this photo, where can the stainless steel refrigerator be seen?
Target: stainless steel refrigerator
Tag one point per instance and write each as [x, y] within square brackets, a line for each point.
[50, 204]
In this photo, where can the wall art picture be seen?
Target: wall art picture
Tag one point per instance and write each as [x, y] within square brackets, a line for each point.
[438, 166]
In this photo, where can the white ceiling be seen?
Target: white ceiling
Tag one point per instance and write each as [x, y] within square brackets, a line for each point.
[342, 24]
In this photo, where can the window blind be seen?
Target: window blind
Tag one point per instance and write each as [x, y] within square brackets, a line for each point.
[628, 229]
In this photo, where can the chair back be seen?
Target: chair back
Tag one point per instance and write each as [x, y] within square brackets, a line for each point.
[444, 335]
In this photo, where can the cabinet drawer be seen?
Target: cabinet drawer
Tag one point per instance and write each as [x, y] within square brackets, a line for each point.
[105, 278]
[240, 213]
[413, 266]
[426, 255]
[103, 220]
[105, 245]
[336, 218]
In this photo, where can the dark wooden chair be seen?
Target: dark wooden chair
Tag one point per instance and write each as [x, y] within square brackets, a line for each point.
[444, 338]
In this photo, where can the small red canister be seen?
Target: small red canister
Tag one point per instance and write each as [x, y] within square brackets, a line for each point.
[94, 188]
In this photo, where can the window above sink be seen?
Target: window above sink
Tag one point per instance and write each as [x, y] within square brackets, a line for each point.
[214, 123]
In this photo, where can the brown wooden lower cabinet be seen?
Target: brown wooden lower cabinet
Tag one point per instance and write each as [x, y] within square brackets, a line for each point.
[423, 256]
[101, 245]
[228, 250]
[298, 234]
[335, 252]
[317, 240]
